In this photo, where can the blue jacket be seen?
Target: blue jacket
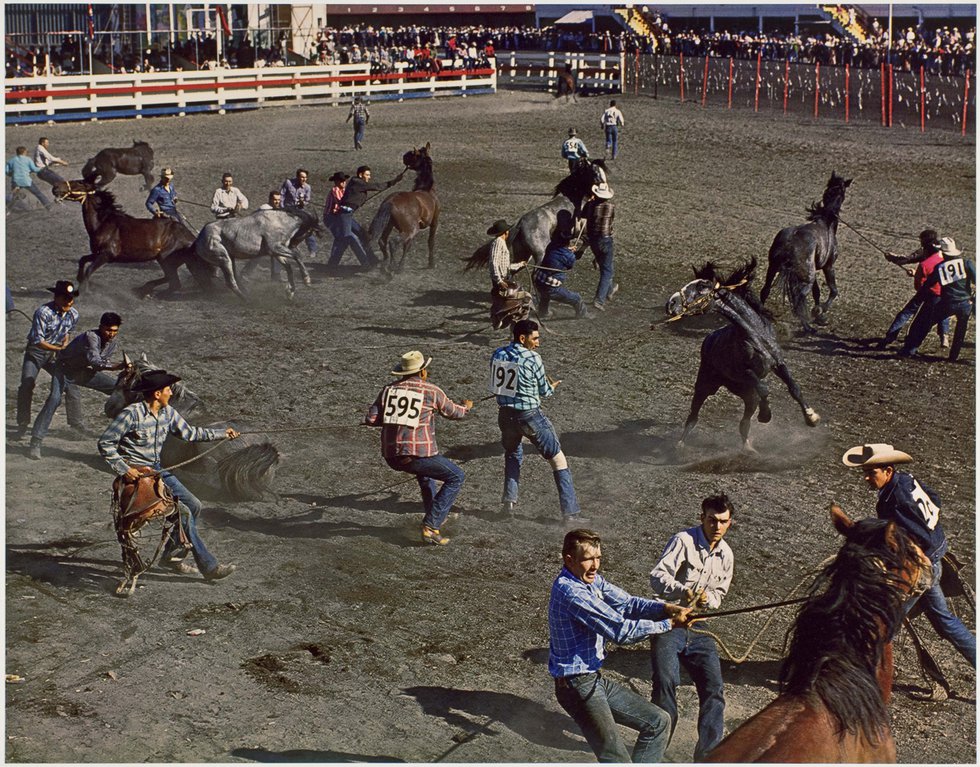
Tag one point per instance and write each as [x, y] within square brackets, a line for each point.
[914, 506]
[165, 199]
[555, 257]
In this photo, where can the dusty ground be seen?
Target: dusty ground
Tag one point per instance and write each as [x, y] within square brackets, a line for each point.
[340, 637]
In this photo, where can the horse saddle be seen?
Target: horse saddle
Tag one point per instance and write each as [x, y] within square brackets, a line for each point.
[140, 500]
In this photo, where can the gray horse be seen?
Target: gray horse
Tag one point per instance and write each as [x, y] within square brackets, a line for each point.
[274, 233]
[529, 237]
[183, 399]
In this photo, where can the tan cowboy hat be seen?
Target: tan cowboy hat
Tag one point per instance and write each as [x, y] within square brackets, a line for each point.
[948, 247]
[411, 363]
[167, 173]
[498, 227]
[874, 454]
[602, 191]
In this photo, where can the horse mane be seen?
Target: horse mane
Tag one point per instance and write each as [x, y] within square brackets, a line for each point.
[107, 199]
[424, 179]
[744, 271]
[828, 208]
[840, 634]
[140, 143]
[579, 181]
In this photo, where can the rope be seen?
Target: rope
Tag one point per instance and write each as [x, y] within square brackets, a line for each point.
[22, 314]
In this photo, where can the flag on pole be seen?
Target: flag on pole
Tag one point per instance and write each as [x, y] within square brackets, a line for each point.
[224, 21]
[91, 23]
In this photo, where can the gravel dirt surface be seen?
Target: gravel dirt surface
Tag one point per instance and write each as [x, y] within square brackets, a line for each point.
[340, 637]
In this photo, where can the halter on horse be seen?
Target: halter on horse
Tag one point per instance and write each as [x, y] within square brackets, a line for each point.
[798, 252]
[409, 212]
[836, 681]
[739, 355]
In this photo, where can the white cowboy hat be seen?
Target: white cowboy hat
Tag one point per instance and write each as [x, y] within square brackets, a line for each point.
[948, 246]
[602, 191]
[874, 454]
[411, 363]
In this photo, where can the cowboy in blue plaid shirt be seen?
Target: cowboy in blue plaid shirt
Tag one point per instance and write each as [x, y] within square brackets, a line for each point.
[518, 379]
[585, 611]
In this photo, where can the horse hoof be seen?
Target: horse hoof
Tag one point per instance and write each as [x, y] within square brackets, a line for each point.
[812, 416]
[765, 414]
[307, 281]
[747, 447]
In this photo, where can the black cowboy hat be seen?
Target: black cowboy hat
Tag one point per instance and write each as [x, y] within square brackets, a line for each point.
[65, 288]
[338, 177]
[499, 227]
[154, 380]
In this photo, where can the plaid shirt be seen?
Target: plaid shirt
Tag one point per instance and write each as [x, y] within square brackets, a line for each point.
[532, 384]
[51, 325]
[136, 436]
[418, 441]
[359, 112]
[581, 617]
[601, 215]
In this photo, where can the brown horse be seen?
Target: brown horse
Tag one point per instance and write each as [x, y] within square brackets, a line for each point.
[837, 678]
[136, 160]
[567, 86]
[409, 212]
[115, 236]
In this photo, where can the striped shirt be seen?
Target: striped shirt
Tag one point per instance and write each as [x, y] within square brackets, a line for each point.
[136, 436]
[418, 441]
[500, 268]
[51, 325]
[532, 383]
[581, 617]
[601, 215]
[359, 112]
[689, 563]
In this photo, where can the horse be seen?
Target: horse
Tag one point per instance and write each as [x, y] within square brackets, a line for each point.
[739, 355]
[567, 85]
[529, 237]
[798, 252]
[135, 161]
[836, 681]
[183, 400]
[275, 232]
[409, 212]
[116, 237]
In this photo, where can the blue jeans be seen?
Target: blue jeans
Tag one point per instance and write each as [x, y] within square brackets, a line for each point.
[63, 384]
[561, 294]
[359, 128]
[905, 316]
[206, 561]
[597, 704]
[348, 233]
[947, 625]
[33, 189]
[428, 471]
[612, 140]
[533, 424]
[603, 251]
[36, 360]
[700, 657]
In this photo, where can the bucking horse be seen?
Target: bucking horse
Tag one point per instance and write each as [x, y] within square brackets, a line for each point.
[136, 160]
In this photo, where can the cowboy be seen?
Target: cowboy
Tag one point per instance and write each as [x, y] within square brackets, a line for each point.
[405, 411]
[359, 111]
[573, 149]
[19, 168]
[508, 303]
[164, 197]
[694, 570]
[549, 278]
[610, 121]
[599, 214]
[915, 506]
[134, 440]
[518, 379]
[925, 257]
[333, 219]
[44, 160]
[84, 362]
[228, 199]
[50, 331]
[584, 612]
[355, 195]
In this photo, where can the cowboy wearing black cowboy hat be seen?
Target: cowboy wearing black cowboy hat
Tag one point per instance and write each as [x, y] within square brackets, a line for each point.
[134, 441]
[50, 329]
[508, 303]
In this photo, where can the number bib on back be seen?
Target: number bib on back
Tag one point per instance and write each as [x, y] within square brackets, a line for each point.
[503, 377]
[951, 271]
[403, 407]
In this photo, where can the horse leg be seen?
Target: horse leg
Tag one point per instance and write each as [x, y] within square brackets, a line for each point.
[406, 240]
[91, 263]
[227, 267]
[107, 176]
[831, 277]
[809, 414]
[771, 273]
[751, 403]
[432, 242]
[147, 180]
[703, 388]
[290, 282]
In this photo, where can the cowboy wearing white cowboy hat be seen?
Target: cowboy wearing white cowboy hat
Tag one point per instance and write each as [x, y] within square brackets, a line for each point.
[162, 200]
[599, 214]
[405, 409]
[904, 500]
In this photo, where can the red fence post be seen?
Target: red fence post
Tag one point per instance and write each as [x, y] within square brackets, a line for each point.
[966, 100]
[891, 93]
[847, 93]
[816, 89]
[704, 85]
[883, 113]
[758, 78]
[682, 77]
[786, 87]
[922, 100]
[731, 76]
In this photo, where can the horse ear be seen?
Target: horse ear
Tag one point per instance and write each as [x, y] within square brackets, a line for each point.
[842, 523]
[143, 357]
[126, 360]
[427, 147]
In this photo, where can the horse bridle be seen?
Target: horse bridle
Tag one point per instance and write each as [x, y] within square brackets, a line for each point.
[75, 195]
[699, 303]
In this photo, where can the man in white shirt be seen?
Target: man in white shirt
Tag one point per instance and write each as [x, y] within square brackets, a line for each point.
[611, 119]
[227, 199]
[44, 160]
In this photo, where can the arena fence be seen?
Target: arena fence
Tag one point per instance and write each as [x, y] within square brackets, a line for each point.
[532, 70]
[99, 97]
[885, 96]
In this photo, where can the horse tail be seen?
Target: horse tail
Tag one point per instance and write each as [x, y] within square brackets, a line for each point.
[480, 257]
[380, 221]
[247, 474]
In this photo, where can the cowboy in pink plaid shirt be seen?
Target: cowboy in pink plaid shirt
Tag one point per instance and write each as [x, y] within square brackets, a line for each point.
[405, 411]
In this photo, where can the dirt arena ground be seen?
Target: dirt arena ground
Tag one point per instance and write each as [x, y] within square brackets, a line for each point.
[341, 638]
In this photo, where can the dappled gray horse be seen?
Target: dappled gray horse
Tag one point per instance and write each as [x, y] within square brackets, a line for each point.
[274, 233]
[798, 252]
[739, 355]
[183, 399]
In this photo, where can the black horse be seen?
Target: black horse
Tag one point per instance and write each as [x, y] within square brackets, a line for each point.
[799, 252]
[137, 160]
[739, 355]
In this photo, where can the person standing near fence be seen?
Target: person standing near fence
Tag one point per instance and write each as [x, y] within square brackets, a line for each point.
[44, 160]
[611, 121]
[359, 111]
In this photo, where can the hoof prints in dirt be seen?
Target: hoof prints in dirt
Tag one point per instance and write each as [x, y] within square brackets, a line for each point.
[275, 671]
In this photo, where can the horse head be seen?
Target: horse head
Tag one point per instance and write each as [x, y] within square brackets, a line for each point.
[76, 190]
[420, 161]
[833, 198]
[700, 295]
[577, 185]
[183, 399]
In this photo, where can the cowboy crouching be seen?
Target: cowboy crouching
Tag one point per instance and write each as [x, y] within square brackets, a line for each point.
[404, 410]
[132, 444]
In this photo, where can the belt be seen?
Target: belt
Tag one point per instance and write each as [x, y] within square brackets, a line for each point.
[562, 681]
